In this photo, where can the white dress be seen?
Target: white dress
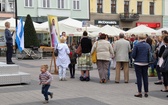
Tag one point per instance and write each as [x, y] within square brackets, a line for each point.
[63, 57]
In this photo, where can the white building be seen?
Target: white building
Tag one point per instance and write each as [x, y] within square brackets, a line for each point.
[165, 13]
[7, 9]
[39, 9]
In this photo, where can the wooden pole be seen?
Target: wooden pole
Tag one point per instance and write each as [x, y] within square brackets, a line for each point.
[53, 58]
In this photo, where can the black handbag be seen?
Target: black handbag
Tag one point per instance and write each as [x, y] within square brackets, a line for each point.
[56, 52]
[164, 66]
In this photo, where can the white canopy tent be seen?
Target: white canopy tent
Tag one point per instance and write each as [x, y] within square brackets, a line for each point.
[109, 30]
[79, 34]
[12, 22]
[141, 29]
[162, 29]
[71, 25]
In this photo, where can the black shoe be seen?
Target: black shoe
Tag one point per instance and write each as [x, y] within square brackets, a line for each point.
[116, 82]
[167, 96]
[158, 83]
[87, 79]
[125, 82]
[138, 95]
[10, 63]
[51, 95]
[82, 78]
[164, 90]
[146, 95]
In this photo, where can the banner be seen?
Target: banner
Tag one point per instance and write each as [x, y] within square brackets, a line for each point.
[20, 36]
[54, 30]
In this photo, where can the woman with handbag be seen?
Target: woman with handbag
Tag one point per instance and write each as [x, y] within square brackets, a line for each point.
[84, 61]
[104, 51]
[165, 74]
[63, 59]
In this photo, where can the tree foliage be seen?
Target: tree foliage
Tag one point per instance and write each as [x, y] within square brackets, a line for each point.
[30, 36]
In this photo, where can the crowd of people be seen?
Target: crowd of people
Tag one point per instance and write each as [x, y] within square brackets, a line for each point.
[139, 51]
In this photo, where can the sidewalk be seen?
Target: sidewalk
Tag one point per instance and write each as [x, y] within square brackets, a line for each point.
[75, 92]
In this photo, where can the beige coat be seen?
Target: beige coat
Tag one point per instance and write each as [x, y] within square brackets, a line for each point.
[104, 50]
[121, 50]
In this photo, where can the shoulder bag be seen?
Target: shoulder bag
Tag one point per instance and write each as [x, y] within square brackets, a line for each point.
[164, 66]
[94, 55]
[79, 50]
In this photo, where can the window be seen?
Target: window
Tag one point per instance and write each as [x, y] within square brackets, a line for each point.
[76, 4]
[139, 7]
[126, 6]
[151, 8]
[11, 5]
[61, 4]
[2, 7]
[28, 3]
[113, 6]
[99, 6]
[46, 3]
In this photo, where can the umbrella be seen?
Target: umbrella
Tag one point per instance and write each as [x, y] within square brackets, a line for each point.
[142, 29]
[109, 30]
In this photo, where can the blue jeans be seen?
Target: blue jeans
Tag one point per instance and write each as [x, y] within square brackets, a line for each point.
[108, 73]
[45, 91]
[142, 74]
[153, 66]
[9, 52]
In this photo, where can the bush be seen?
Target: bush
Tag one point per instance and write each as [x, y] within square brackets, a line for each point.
[30, 36]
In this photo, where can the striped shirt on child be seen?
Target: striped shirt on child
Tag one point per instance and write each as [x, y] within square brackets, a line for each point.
[45, 78]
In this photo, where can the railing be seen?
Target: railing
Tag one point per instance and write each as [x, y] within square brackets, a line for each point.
[129, 17]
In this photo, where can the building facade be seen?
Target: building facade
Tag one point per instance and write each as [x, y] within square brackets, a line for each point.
[6, 9]
[39, 9]
[126, 14]
[165, 13]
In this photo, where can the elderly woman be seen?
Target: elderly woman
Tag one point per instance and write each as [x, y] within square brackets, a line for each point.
[84, 61]
[140, 54]
[63, 58]
[104, 51]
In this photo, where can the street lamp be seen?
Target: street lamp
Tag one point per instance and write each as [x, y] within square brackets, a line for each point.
[16, 12]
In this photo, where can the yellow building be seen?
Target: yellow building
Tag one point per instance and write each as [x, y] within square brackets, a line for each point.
[126, 13]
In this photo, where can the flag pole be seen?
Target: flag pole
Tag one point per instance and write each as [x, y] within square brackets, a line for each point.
[16, 12]
[16, 24]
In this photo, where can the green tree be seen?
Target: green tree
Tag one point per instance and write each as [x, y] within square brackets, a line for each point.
[30, 36]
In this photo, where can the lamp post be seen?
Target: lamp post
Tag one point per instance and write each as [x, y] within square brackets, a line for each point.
[16, 12]
[16, 21]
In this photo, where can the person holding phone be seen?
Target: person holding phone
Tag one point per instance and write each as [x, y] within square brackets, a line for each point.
[9, 43]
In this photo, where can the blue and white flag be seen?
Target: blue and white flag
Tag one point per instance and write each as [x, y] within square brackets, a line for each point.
[20, 35]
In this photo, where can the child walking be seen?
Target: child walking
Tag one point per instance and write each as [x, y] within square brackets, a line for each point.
[73, 57]
[45, 80]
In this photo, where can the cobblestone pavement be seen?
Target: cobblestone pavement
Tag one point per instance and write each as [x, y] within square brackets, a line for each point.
[75, 92]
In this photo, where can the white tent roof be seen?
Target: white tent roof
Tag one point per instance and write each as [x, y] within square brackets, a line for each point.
[161, 29]
[75, 25]
[12, 22]
[109, 30]
[78, 34]
[142, 29]
[71, 27]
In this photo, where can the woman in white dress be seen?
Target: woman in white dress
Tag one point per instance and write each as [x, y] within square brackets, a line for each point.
[62, 60]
